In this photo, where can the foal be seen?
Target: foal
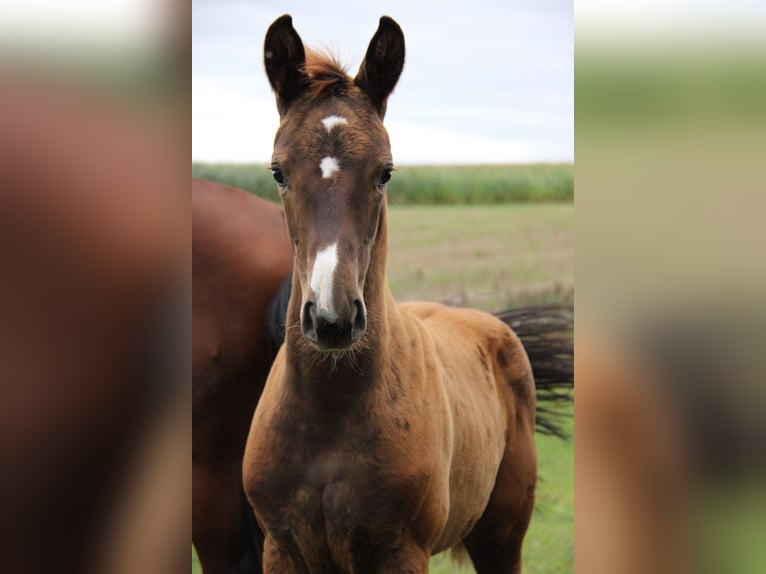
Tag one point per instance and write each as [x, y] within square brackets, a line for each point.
[385, 433]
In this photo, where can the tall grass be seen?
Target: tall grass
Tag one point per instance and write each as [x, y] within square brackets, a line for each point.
[483, 184]
[471, 184]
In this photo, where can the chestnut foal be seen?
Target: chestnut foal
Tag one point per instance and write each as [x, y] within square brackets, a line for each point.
[386, 433]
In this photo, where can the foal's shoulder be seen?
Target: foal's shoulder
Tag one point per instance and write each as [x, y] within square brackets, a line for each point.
[455, 329]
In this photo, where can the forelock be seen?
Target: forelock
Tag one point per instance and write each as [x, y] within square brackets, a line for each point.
[327, 76]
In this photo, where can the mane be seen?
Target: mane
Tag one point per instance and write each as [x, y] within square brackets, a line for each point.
[326, 74]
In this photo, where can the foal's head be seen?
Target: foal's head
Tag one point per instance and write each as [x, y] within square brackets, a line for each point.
[332, 161]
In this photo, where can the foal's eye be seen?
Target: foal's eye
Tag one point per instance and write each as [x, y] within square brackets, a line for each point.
[278, 175]
[385, 177]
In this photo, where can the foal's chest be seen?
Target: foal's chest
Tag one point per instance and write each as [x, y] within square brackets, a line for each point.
[338, 508]
[333, 501]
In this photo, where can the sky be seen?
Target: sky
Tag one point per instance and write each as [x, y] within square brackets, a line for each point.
[483, 82]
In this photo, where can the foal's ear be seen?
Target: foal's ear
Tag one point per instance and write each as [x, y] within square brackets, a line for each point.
[284, 57]
[382, 64]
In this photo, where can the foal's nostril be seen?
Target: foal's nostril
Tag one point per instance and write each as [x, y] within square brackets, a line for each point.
[333, 332]
[359, 320]
[308, 321]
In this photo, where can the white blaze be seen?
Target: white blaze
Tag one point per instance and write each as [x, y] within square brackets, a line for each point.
[322, 279]
[331, 121]
[328, 165]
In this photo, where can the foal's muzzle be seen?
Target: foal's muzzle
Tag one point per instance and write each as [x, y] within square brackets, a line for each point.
[336, 332]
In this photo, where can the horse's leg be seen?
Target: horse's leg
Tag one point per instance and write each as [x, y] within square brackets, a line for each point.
[226, 538]
[494, 544]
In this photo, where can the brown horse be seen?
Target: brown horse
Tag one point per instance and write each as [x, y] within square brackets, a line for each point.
[385, 433]
[240, 256]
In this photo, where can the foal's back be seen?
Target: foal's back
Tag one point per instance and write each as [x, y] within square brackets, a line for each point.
[492, 412]
[463, 338]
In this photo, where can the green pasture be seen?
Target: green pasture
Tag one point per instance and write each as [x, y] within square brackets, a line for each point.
[493, 257]
[429, 185]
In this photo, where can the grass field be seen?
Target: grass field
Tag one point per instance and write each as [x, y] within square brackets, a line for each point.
[488, 257]
[495, 257]
[432, 185]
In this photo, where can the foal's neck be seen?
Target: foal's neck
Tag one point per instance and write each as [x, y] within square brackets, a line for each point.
[349, 373]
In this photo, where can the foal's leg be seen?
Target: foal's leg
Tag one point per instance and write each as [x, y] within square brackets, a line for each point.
[494, 544]
[277, 561]
[405, 560]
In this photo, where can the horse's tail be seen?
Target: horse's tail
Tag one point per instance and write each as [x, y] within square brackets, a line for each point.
[547, 333]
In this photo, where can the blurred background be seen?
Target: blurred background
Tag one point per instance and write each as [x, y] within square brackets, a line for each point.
[670, 312]
[95, 413]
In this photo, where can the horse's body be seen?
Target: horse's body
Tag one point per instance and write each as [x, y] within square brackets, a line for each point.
[240, 257]
[385, 432]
